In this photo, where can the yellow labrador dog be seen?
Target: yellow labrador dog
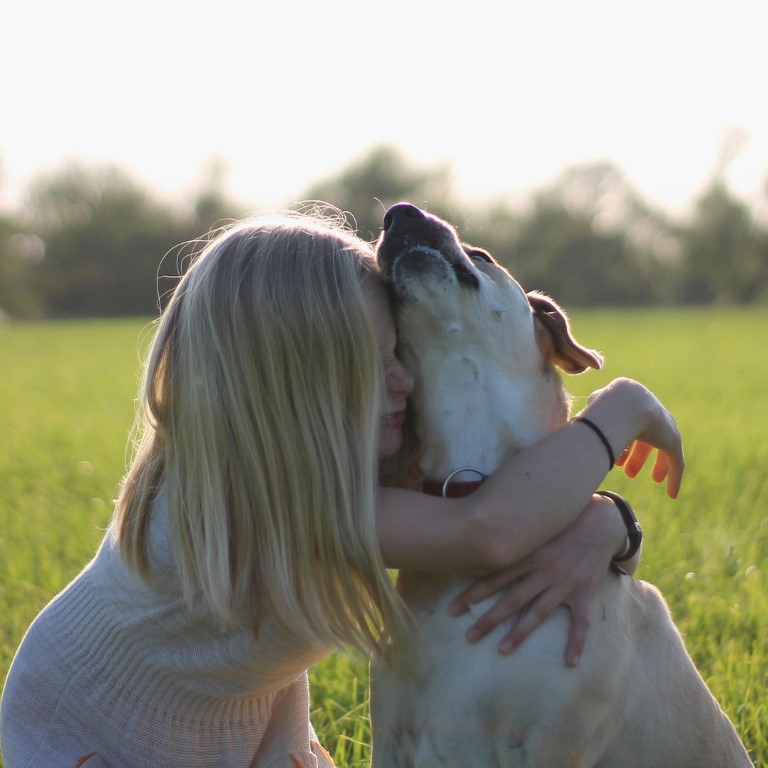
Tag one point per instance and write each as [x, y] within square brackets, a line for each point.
[483, 354]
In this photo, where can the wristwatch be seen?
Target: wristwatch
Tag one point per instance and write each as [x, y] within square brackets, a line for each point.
[634, 531]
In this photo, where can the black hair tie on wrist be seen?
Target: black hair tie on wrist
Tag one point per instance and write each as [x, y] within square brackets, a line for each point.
[634, 531]
[601, 435]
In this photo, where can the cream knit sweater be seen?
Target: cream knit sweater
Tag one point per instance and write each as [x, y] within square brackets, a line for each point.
[126, 671]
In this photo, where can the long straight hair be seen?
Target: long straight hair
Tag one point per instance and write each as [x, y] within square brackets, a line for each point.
[261, 399]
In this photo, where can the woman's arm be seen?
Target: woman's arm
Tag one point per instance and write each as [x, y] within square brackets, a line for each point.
[535, 494]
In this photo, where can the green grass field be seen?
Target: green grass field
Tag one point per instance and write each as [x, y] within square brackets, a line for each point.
[67, 403]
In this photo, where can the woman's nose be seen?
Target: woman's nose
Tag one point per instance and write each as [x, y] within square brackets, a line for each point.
[400, 380]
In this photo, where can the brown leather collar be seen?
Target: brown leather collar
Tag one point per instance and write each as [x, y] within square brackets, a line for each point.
[453, 489]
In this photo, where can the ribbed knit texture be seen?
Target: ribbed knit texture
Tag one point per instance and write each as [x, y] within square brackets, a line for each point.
[128, 671]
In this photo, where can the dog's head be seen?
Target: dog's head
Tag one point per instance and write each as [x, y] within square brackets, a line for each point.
[478, 345]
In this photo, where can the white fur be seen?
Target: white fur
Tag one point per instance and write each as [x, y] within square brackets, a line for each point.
[484, 386]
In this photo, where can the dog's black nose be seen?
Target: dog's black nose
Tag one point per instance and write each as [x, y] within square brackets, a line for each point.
[400, 211]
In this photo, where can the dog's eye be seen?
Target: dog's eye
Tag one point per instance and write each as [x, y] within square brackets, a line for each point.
[477, 254]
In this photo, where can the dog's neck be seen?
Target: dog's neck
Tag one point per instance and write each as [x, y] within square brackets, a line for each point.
[478, 412]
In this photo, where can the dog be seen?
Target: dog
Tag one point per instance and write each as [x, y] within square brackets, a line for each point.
[483, 354]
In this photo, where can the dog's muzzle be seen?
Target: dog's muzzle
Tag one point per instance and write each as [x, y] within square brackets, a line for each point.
[417, 243]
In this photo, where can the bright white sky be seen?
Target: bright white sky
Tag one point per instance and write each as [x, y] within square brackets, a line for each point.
[286, 93]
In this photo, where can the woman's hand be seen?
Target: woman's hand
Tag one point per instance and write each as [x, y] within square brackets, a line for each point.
[566, 571]
[656, 429]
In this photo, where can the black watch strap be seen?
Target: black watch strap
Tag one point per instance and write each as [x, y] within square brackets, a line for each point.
[634, 531]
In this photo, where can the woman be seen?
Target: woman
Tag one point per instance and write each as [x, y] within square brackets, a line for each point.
[250, 536]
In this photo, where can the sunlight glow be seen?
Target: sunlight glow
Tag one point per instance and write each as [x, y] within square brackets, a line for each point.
[285, 94]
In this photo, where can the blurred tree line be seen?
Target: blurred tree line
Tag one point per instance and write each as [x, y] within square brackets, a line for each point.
[94, 242]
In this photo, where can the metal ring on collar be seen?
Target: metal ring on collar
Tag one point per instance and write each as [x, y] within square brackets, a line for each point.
[447, 482]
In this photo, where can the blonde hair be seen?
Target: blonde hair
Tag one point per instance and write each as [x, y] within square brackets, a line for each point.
[262, 397]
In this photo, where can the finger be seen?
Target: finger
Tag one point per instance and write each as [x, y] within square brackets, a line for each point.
[660, 468]
[675, 468]
[637, 458]
[673, 486]
[624, 455]
[538, 613]
[577, 636]
[504, 608]
[485, 587]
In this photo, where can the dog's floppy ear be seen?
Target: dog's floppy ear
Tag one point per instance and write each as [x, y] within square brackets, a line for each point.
[565, 350]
